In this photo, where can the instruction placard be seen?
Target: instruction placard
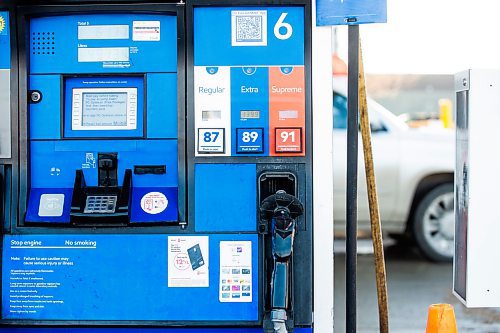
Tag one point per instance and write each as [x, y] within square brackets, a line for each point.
[235, 283]
[188, 261]
[146, 31]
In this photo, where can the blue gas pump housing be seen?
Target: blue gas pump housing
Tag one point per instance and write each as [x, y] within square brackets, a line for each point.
[147, 138]
[88, 103]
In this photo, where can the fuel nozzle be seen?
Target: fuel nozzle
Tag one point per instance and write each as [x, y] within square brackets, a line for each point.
[281, 210]
[280, 207]
[108, 166]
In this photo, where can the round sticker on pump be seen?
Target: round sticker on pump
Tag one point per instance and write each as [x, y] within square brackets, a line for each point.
[154, 203]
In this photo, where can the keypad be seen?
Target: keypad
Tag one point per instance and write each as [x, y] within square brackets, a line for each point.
[100, 204]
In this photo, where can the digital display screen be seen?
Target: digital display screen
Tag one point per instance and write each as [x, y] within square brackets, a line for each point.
[250, 114]
[104, 109]
[211, 115]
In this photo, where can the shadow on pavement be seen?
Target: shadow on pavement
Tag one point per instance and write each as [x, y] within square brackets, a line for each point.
[403, 251]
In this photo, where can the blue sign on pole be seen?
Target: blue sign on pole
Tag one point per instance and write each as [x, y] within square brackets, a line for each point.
[350, 12]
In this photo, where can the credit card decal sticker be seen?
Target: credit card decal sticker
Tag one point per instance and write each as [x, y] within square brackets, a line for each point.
[235, 282]
[188, 261]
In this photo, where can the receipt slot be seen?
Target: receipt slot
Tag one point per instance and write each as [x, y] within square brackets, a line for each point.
[152, 142]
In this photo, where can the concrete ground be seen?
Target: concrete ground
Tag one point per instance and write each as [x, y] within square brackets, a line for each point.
[413, 284]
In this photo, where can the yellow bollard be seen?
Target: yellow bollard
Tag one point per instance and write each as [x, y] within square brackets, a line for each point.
[441, 319]
[445, 112]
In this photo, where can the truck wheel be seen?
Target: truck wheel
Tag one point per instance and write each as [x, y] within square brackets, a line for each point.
[434, 224]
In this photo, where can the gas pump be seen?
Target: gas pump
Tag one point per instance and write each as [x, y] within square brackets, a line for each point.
[475, 279]
[162, 171]
[97, 152]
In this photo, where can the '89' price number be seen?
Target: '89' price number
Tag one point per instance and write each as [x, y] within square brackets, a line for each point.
[249, 140]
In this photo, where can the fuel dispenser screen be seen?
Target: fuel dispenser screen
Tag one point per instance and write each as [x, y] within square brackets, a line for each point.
[104, 109]
[104, 106]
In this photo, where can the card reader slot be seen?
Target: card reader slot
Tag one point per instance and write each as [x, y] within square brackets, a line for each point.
[150, 169]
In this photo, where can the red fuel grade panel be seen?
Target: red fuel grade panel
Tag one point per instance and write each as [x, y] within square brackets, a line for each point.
[287, 111]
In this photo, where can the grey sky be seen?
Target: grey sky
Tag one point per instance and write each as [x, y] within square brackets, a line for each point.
[432, 36]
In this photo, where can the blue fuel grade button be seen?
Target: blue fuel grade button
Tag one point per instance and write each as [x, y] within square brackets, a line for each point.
[249, 140]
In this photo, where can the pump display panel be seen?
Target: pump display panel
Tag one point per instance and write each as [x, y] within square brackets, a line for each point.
[104, 107]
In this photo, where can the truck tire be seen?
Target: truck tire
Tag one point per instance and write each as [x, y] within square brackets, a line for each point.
[434, 224]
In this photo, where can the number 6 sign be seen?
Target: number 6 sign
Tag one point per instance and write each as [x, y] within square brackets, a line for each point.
[288, 140]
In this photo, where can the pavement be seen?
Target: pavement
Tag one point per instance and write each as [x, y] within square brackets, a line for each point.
[413, 284]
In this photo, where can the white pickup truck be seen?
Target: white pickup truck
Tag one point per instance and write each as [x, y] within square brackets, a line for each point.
[414, 173]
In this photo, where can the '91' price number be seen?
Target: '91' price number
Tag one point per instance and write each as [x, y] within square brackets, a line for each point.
[288, 136]
[288, 140]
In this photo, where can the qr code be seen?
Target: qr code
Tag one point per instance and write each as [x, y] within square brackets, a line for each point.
[249, 28]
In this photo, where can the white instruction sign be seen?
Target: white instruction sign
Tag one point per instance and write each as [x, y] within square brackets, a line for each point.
[235, 284]
[188, 261]
[146, 31]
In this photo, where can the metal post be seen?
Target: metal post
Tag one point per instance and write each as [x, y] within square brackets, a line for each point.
[352, 178]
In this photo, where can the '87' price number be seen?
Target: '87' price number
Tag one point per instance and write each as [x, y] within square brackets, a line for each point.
[210, 140]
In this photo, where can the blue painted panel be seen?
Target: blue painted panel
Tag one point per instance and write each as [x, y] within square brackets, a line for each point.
[103, 82]
[34, 204]
[114, 277]
[138, 214]
[4, 40]
[55, 45]
[54, 163]
[225, 197]
[213, 37]
[250, 92]
[346, 12]
[162, 106]
[140, 330]
[45, 116]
